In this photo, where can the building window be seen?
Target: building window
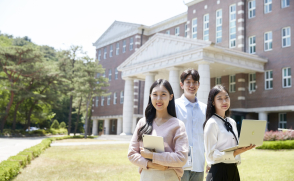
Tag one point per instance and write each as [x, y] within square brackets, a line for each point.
[232, 83]
[219, 19]
[268, 80]
[131, 43]
[105, 53]
[108, 100]
[112, 125]
[267, 6]
[117, 49]
[116, 74]
[233, 26]
[252, 82]
[206, 27]
[111, 50]
[218, 80]
[102, 101]
[285, 3]
[252, 45]
[251, 9]
[268, 41]
[97, 101]
[124, 46]
[114, 98]
[194, 28]
[177, 31]
[122, 97]
[287, 77]
[286, 37]
[283, 120]
[109, 75]
[99, 54]
[186, 30]
[167, 32]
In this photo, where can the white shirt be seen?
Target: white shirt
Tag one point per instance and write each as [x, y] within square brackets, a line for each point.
[217, 138]
[193, 115]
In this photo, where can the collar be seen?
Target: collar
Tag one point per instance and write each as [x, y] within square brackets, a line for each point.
[187, 102]
[221, 118]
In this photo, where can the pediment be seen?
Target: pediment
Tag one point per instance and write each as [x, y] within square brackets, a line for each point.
[117, 30]
[162, 45]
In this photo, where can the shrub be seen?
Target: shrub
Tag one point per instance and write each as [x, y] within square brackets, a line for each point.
[39, 132]
[276, 145]
[28, 154]
[55, 124]
[8, 170]
[57, 131]
[62, 125]
[278, 135]
[20, 158]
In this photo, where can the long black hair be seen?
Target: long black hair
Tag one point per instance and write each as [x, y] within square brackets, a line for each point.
[150, 111]
[210, 107]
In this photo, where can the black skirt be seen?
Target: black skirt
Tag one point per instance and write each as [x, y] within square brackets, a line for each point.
[223, 172]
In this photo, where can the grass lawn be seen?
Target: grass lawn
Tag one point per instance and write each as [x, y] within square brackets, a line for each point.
[78, 140]
[110, 163]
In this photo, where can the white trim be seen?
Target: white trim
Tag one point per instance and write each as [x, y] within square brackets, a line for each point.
[241, 12]
[269, 41]
[268, 4]
[252, 45]
[284, 6]
[241, 80]
[241, 98]
[240, 20]
[283, 122]
[192, 2]
[270, 79]
[135, 100]
[232, 83]
[177, 31]
[241, 89]
[265, 109]
[194, 27]
[286, 37]
[232, 41]
[240, 37]
[138, 36]
[137, 43]
[240, 28]
[240, 3]
[287, 77]
[219, 24]
[135, 106]
[240, 45]
[252, 82]
[206, 27]
[253, 9]
[114, 117]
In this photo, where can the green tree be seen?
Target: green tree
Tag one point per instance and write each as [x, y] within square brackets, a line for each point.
[62, 125]
[55, 124]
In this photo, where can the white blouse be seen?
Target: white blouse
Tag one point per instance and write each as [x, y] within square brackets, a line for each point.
[217, 138]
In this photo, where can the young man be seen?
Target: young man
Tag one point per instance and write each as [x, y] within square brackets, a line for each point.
[192, 113]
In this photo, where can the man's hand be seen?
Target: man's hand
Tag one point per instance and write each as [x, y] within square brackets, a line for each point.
[156, 166]
[242, 150]
[207, 169]
[146, 153]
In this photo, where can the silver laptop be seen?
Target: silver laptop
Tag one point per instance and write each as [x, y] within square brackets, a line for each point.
[252, 132]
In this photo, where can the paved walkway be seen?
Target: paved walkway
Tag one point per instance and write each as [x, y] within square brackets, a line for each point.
[12, 146]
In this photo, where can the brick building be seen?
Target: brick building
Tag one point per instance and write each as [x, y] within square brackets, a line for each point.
[244, 45]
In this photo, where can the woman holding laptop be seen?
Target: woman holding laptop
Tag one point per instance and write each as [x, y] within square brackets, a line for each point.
[220, 132]
[160, 120]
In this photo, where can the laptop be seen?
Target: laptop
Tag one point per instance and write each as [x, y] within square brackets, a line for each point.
[153, 143]
[252, 132]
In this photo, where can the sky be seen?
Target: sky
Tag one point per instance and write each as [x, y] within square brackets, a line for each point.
[62, 23]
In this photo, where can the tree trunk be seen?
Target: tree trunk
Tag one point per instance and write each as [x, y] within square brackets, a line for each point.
[89, 117]
[69, 115]
[7, 111]
[78, 118]
[15, 113]
[86, 120]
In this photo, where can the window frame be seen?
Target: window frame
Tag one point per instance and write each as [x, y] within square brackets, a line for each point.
[110, 51]
[252, 82]
[283, 122]
[194, 27]
[131, 43]
[218, 80]
[109, 74]
[232, 27]
[252, 9]
[186, 30]
[108, 100]
[269, 79]
[99, 54]
[219, 25]
[105, 53]
[286, 5]
[232, 84]
[102, 100]
[116, 74]
[167, 32]
[268, 41]
[206, 28]
[121, 97]
[270, 6]
[177, 31]
[124, 46]
[286, 36]
[287, 77]
[251, 45]
[96, 101]
[117, 49]
[114, 98]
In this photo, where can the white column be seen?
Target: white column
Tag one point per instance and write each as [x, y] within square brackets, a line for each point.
[149, 80]
[204, 88]
[174, 80]
[95, 127]
[119, 126]
[128, 107]
[263, 116]
[134, 124]
[106, 126]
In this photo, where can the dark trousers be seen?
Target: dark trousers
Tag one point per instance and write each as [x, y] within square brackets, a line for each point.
[223, 172]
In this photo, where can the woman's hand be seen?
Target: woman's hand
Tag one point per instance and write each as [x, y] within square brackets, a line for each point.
[146, 153]
[156, 166]
[207, 169]
[242, 150]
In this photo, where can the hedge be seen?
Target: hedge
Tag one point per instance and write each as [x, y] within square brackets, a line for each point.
[10, 168]
[39, 132]
[277, 145]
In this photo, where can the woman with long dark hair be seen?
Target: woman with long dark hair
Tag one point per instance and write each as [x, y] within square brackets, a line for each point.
[160, 120]
[220, 132]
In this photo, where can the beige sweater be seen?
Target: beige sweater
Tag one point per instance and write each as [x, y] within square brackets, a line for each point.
[175, 145]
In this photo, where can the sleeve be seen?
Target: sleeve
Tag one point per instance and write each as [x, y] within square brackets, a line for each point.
[210, 142]
[179, 157]
[134, 150]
